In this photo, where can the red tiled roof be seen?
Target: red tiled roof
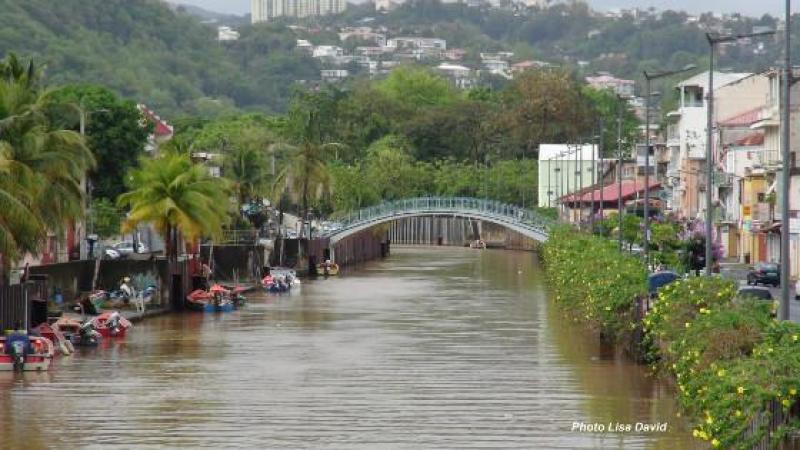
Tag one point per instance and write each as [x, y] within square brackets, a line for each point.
[744, 119]
[161, 128]
[754, 139]
[629, 190]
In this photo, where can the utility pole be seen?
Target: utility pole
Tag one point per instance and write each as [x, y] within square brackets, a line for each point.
[783, 314]
[600, 157]
[648, 78]
[710, 159]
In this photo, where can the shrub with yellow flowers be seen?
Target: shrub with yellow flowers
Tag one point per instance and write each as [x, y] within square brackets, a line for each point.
[730, 359]
[592, 281]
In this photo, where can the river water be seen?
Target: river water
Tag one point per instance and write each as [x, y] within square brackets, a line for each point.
[430, 348]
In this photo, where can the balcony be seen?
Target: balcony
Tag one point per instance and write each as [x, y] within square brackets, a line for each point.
[771, 158]
[761, 213]
[723, 180]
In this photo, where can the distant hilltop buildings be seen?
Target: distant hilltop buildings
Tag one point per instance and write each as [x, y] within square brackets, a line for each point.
[266, 10]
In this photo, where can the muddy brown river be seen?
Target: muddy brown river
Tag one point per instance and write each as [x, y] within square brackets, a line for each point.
[430, 348]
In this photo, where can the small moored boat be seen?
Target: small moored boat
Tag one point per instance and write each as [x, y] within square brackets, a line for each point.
[15, 357]
[216, 299]
[111, 324]
[327, 268]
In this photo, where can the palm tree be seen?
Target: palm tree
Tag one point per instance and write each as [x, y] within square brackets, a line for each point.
[42, 165]
[306, 175]
[246, 165]
[177, 197]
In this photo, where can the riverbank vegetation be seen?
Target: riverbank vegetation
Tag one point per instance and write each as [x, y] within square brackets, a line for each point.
[734, 365]
[410, 134]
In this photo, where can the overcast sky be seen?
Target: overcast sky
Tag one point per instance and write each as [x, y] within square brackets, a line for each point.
[748, 7]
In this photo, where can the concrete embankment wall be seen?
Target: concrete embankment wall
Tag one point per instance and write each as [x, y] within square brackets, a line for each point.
[236, 262]
[456, 231]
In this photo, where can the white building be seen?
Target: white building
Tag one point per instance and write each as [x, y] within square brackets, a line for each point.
[495, 65]
[225, 34]
[333, 75]
[686, 143]
[561, 173]
[266, 10]
[416, 43]
[462, 76]
[621, 87]
[327, 51]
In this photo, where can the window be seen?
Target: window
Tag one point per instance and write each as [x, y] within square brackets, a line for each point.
[761, 197]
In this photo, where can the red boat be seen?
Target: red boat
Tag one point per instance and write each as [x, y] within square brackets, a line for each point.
[111, 324]
[53, 332]
[198, 299]
[38, 360]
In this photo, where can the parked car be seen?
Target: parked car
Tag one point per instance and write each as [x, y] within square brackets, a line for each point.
[764, 273]
[759, 293]
[123, 249]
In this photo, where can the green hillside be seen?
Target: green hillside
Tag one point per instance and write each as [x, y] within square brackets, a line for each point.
[164, 56]
[147, 51]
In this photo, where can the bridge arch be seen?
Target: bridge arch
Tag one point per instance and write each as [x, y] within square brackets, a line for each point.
[524, 221]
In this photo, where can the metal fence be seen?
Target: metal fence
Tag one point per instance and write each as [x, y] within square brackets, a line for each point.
[490, 209]
[13, 300]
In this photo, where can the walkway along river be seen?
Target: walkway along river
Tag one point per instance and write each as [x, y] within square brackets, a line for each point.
[430, 348]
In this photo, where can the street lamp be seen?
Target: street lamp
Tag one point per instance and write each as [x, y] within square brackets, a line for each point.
[648, 78]
[713, 40]
[619, 171]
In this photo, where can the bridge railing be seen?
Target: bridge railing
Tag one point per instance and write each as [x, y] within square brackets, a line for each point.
[484, 207]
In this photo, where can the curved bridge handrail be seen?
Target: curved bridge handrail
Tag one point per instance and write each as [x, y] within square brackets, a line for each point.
[489, 208]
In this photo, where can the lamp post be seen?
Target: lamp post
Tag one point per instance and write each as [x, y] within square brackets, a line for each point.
[713, 40]
[783, 314]
[578, 183]
[649, 77]
[549, 186]
[592, 187]
[619, 172]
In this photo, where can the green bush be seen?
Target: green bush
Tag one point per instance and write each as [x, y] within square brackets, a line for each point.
[730, 358]
[592, 281]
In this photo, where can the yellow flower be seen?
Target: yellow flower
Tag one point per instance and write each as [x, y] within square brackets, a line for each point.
[794, 338]
[721, 373]
[714, 443]
[738, 413]
[769, 350]
[792, 391]
[740, 390]
[786, 402]
[709, 420]
[687, 324]
[695, 433]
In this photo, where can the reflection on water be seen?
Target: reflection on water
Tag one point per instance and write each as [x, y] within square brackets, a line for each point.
[431, 348]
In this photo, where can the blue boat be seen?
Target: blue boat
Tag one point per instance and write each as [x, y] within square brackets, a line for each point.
[224, 307]
[277, 288]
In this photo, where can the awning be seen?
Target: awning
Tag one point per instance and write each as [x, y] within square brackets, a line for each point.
[774, 227]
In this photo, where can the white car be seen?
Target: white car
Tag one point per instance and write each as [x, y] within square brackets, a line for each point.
[124, 248]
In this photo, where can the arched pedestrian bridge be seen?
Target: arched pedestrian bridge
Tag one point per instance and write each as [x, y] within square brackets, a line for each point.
[524, 221]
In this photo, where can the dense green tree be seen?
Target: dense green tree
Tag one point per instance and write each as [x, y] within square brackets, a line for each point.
[43, 165]
[114, 131]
